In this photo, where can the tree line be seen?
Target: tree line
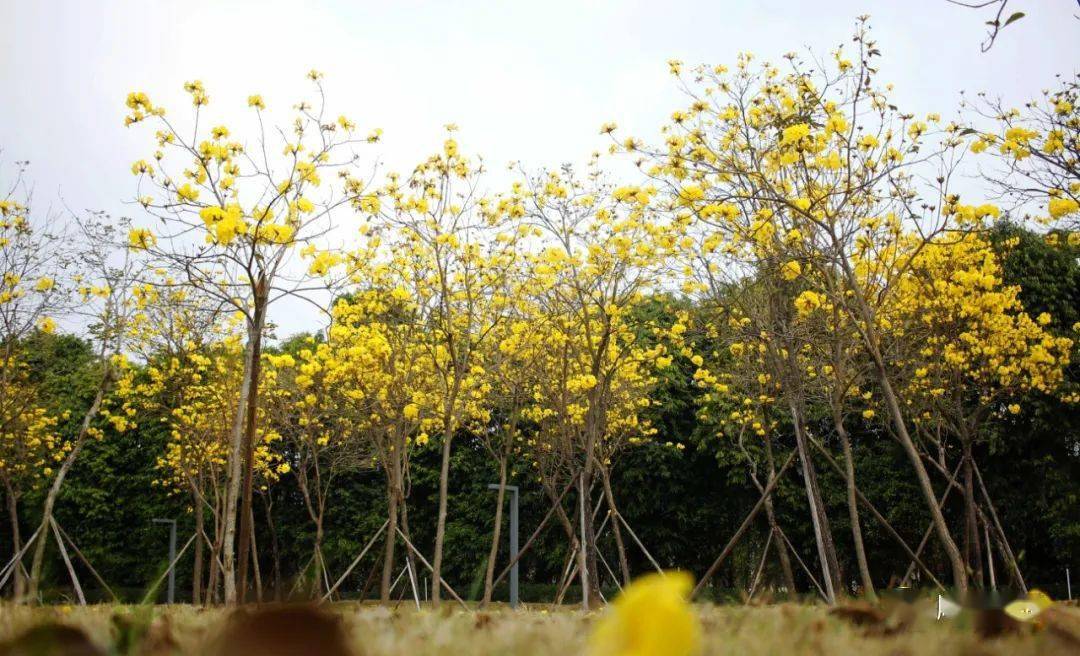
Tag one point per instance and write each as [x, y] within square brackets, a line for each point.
[789, 355]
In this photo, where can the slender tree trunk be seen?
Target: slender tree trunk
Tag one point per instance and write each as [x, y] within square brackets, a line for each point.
[774, 526]
[58, 482]
[960, 579]
[972, 547]
[818, 516]
[255, 558]
[403, 520]
[211, 593]
[274, 551]
[624, 565]
[584, 520]
[496, 533]
[440, 528]
[317, 558]
[391, 535]
[236, 473]
[246, 514]
[863, 315]
[197, 569]
[589, 540]
[18, 581]
[853, 507]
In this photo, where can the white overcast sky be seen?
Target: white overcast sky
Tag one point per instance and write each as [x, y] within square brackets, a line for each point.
[529, 81]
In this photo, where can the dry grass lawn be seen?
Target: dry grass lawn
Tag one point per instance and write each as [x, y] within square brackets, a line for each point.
[374, 631]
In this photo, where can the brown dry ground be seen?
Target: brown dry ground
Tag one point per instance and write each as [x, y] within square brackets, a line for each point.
[373, 631]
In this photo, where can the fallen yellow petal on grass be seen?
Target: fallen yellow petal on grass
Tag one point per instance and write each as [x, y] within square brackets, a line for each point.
[651, 617]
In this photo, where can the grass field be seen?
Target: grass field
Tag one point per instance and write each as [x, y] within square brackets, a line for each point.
[375, 631]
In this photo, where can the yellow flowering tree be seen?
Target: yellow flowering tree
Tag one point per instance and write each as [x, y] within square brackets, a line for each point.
[820, 161]
[109, 307]
[193, 356]
[234, 218]
[321, 435]
[450, 251]
[375, 364]
[598, 254]
[972, 353]
[31, 263]
[509, 371]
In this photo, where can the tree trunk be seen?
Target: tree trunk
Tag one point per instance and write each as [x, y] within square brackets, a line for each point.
[246, 514]
[440, 528]
[496, 533]
[863, 315]
[820, 520]
[197, 569]
[972, 547]
[18, 581]
[391, 536]
[274, 551]
[853, 508]
[210, 595]
[582, 564]
[774, 526]
[236, 473]
[54, 489]
[624, 565]
[255, 558]
[960, 579]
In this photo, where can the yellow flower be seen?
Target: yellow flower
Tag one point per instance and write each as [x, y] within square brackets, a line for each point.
[651, 617]
[1060, 207]
[141, 238]
[791, 270]
[187, 192]
[256, 101]
[794, 133]
[808, 301]
[47, 325]
[411, 411]
[868, 141]
[1014, 408]
[44, 284]
[868, 414]
[141, 167]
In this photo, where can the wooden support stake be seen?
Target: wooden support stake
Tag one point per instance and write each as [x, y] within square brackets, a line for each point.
[17, 558]
[930, 527]
[152, 590]
[641, 546]
[355, 562]
[802, 563]
[67, 563]
[743, 527]
[86, 562]
[881, 518]
[1010, 558]
[423, 560]
[760, 567]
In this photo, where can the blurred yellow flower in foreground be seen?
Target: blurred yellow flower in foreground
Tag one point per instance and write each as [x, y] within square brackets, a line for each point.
[651, 617]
